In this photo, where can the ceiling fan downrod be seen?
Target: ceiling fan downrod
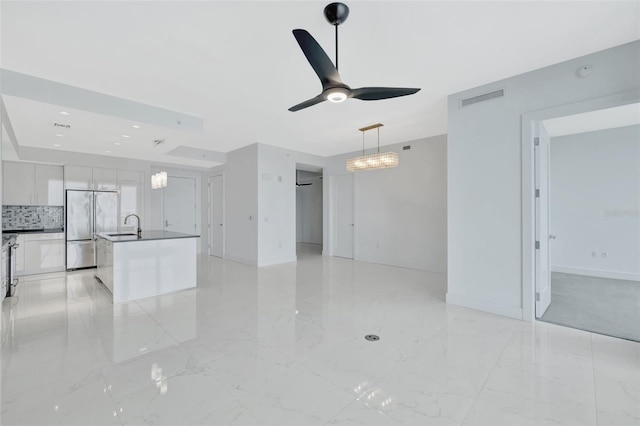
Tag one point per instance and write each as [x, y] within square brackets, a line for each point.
[336, 14]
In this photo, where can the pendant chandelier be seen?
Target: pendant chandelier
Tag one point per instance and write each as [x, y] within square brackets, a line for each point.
[159, 180]
[379, 160]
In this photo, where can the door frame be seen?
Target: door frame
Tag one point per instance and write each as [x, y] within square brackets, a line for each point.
[528, 124]
[542, 161]
[210, 213]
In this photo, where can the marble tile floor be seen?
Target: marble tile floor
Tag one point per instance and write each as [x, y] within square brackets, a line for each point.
[284, 345]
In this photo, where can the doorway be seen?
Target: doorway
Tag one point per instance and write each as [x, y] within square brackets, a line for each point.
[179, 205]
[216, 215]
[309, 211]
[587, 220]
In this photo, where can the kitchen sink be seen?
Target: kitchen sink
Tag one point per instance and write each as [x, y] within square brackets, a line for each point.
[121, 235]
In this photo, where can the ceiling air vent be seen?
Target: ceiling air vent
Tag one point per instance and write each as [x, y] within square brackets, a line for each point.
[158, 142]
[66, 126]
[482, 98]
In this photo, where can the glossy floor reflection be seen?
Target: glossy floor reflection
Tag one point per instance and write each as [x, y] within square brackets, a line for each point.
[285, 345]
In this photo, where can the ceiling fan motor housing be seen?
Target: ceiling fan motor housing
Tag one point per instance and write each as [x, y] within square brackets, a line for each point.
[336, 13]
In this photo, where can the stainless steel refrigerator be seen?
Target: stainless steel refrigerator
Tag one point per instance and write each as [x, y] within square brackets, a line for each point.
[87, 213]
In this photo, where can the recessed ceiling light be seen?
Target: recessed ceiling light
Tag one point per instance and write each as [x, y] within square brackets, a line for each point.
[125, 136]
[64, 113]
[136, 126]
[108, 152]
[118, 143]
[59, 135]
[57, 145]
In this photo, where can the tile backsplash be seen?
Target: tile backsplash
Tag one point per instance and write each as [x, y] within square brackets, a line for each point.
[32, 217]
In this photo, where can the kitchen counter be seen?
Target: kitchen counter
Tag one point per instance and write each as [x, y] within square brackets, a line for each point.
[33, 231]
[146, 236]
[159, 262]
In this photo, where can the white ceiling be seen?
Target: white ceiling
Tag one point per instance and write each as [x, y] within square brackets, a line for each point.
[237, 65]
[609, 118]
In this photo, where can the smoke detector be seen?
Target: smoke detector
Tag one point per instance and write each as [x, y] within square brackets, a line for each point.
[584, 71]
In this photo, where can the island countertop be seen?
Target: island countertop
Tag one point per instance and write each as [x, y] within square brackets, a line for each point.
[122, 237]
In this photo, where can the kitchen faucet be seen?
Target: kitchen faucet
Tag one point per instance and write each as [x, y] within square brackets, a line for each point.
[137, 217]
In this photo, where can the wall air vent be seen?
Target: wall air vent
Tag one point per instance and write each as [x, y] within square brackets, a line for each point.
[482, 98]
[406, 147]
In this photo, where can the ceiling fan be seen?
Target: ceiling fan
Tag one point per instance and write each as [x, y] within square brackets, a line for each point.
[301, 184]
[333, 89]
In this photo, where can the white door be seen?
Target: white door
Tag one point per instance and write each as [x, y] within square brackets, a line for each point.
[543, 272]
[180, 205]
[343, 214]
[216, 208]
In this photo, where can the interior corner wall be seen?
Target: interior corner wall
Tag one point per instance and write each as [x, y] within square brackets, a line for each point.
[485, 171]
[400, 214]
[241, 205]
[260, 203]
[595, 203]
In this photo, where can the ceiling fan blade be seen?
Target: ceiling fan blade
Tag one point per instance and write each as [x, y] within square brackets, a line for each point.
[375, 93]
[308, 103]
[318, 59]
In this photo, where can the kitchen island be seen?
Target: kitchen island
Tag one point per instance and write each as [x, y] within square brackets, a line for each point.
[157, 262]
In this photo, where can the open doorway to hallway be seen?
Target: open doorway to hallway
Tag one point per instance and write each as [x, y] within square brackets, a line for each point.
[593, 221]
[309, 211]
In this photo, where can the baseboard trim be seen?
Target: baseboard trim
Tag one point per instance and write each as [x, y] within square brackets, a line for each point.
[616, 275]
[242, 260]
[270, 262]
[483, 305]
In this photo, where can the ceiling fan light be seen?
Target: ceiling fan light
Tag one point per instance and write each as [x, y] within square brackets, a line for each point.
[336, 95]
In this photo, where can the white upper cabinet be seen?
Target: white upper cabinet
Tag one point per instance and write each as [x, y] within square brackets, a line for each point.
[49, 185]
[78, 177]
[81, 177]
[104, 179]
[28, 184]
[18, 181]
[131, 193]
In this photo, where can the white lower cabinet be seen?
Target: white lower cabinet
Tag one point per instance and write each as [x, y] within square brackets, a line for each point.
[104, 259]
[5, 278]
[19, 253]
[40, 253]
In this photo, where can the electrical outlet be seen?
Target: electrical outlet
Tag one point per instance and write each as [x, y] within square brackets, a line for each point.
[604, 254]
[594, 253]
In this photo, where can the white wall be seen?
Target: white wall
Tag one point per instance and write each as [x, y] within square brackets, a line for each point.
[241, 205]
[485, 172]
[595, 203]
[401, 213]
[276, 206]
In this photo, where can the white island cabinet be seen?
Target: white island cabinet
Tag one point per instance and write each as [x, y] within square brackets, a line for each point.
[158, 262]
